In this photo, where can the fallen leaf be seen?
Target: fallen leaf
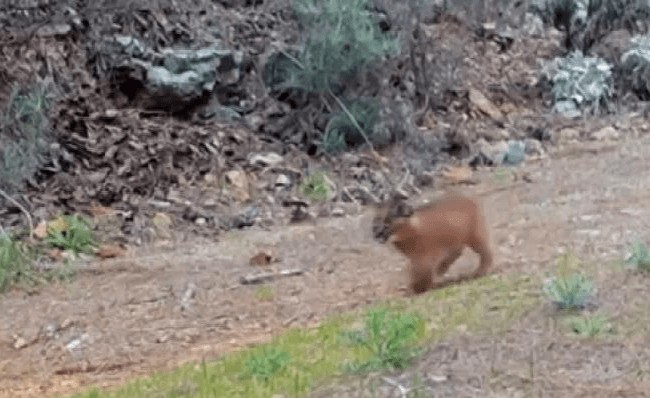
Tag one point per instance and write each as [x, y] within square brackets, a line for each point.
[458, 175]
[110, 251]
[99, 211]
[261, 259]
[40, 231]
[57, 225]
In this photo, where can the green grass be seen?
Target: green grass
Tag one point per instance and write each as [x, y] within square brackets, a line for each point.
[299, 360]
[571, 289]
[639, 257]
[15, 263]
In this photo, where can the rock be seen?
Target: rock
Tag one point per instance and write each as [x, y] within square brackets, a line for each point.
[162, 223]
[265, 160]
[533, 147]
[492, 154]
[110, 251]
[516, 152]
[261, 259]
[282, 181]
[458, 175]
[239, 182]
[566, 134]
[19, 343]
[485, 105]
[337, 212]
[605, 134]
[200, 221]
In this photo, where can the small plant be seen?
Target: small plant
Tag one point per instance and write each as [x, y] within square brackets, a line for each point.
[264, 293]
[265, 363]
[569, 291]
[639, 257]
[590, 326]
[15, 262]
[389, 337]
[316, 187]
[72, 233]
[578, 82]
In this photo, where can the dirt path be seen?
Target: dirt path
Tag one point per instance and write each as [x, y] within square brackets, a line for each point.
[127, 318]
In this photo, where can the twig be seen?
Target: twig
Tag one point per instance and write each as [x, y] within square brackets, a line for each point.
[21, 208]
[402, 390]
[254, 279]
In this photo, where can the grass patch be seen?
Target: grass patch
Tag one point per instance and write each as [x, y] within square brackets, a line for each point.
[388, 336]
[590, 325]
[15, 263]
[300, 360]
[264, 293]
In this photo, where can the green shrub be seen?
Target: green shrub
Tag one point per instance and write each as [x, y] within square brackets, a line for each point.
[341, 131]
[316, 187]
[578, 82]
[590, 326]
[24, 131]
[266, 362]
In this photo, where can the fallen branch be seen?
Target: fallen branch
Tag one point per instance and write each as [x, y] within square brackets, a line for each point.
[254, 279]
[21, 208]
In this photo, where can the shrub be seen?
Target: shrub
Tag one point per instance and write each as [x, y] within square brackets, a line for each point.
[341, 131]
[635, 66]
[578, 82]
[15, 262]
[24, 131]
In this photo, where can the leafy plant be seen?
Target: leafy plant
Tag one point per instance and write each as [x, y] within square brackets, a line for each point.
[267, 362]
[72, 233]
[590, 326]
[316, 187]
[389, 338]
[24, 130]
[578, 82]
[639, 257]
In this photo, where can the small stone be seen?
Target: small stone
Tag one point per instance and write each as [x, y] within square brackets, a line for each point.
[266, 160]
[337, 212]
[493, 153]
[239, 182]
[606, 133]
[200, 221]
[282, 181]
[20, 343]
[533, 147]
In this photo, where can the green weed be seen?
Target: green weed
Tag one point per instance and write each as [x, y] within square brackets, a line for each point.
[315, 187]
[71, 233]
[590, 326]
[266, 363]
[570, 289]
[639, 257]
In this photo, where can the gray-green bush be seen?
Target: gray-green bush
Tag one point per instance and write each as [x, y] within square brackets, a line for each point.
[578, 83]
[24, 135]
[635, 66]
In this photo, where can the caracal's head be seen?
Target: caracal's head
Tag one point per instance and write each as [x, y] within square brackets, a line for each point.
[387, 214]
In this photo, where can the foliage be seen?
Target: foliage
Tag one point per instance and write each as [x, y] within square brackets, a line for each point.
[72, 233]
[24, 131]
[590, 326]
[587, 21]
[639, 257]
[389, 337]
[266, 363]
[15, 262]
[635, 65]
[341, 131]
[577, 82]
[341, 38]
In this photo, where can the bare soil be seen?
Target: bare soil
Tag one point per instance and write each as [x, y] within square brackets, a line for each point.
[122, 318]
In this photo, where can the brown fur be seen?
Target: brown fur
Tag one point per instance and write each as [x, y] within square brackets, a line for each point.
[434, 236]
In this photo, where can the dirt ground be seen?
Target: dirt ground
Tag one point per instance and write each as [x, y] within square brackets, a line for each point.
[131, 316]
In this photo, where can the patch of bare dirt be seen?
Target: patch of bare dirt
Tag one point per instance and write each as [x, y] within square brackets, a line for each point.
[157, 308]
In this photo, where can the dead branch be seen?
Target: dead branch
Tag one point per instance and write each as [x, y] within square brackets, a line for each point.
[254, 279]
